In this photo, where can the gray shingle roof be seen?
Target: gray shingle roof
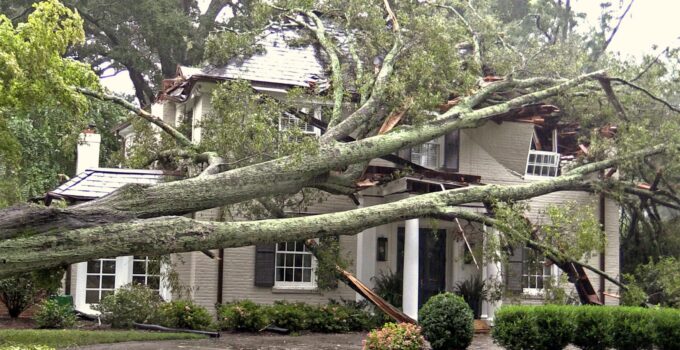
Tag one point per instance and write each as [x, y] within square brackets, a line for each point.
[98, 182]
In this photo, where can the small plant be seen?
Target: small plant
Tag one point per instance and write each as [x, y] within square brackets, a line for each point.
[402, 336]
[132, 303]
[51, 314]
[447, 321]
[389, 287]
[474, 292]
[184, 314]
[242, 316]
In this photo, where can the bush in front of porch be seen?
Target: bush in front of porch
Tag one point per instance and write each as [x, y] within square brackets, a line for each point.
[447, 322]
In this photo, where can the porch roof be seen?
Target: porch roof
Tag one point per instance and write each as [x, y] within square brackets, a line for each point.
[98, 182]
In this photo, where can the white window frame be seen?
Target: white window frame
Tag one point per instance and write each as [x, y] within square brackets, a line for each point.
[538, 163]
[421, 158]
[312, 284]
[552, 270]
[101, 275]
[304, 126]
[123, 276]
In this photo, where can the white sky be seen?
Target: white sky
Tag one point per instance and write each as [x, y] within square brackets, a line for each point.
[649, 22]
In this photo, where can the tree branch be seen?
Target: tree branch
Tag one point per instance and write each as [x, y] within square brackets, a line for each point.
[178, 136]
[646, 92]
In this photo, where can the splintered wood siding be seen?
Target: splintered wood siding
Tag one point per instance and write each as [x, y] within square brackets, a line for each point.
[265, 260]
[513, 275]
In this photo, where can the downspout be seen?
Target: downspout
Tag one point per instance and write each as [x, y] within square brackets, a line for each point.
[220, 267]
[604, 233]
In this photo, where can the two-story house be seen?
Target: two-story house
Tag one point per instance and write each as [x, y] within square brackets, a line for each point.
[431, 255]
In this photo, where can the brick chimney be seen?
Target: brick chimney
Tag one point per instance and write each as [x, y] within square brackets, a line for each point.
[88, 149]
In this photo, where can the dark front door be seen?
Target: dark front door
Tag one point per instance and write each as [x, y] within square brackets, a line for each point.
[431, 262]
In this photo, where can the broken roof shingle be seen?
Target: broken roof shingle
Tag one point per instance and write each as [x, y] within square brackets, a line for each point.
[98, 182]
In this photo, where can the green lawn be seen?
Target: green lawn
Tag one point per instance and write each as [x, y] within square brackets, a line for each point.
[25, 338]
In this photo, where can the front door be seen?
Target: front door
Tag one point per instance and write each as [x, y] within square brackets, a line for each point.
[431, 262]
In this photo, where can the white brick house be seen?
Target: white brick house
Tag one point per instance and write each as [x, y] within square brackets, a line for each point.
[432, 256]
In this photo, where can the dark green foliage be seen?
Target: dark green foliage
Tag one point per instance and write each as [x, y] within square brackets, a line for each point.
[130, 304]
[593, 327]
[389, 287]
[393, 336]
[474, 291]
[20, 292]
[292, 316]
[659, 279]
[447, 321]
[242, 316]
[51, 314]
[185, 314]
[632, 328]
[588, 327]
[667, 326]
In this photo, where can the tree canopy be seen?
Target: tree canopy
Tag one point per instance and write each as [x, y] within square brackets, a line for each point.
[402, 73]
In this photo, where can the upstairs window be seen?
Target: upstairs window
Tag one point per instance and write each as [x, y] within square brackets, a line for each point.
[426, 155]
[543, 164]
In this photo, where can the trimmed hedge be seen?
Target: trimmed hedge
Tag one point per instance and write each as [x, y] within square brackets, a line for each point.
[588, 327]
[447, 322]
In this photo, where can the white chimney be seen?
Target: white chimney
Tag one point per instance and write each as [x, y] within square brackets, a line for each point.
[88, 150]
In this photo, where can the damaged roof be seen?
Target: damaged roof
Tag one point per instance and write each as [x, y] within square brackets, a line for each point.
[278, 62]
[98, 182]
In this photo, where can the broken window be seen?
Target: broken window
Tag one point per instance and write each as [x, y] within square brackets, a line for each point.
[426, 155]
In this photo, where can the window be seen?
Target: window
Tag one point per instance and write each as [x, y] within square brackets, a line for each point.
[146, 271]
[101, 279]
[542, 164]
[288, 120]
[295, 266]
[426, 155]
[535, 271]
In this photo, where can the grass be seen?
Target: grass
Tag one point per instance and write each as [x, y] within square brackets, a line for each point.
[61, 338]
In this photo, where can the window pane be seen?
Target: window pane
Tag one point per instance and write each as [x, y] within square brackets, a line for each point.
[153, 267]
[106, 292]
[297, 276]
[138, 267]
[153, 282]
[92, 296]
[307, 260]
[289, 260]
[108, 281]
[139, 279]
[92, 281]
[298, 260]
[289, 275]
[307, 275]
[280, 260]
[93, 266]
[532, 158]
[108, 266]
[279, 274]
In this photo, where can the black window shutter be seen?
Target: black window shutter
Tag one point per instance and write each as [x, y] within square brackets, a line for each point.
[513, 275]
[451, 149]
[265, 262]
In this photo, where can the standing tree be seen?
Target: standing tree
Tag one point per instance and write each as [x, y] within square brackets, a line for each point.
[392, 64]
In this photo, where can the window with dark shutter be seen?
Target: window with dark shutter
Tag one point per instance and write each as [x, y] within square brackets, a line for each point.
[513, 273]
[451, 150]
[265, 262]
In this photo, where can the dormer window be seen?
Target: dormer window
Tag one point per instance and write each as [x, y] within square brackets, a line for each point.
[426, 155]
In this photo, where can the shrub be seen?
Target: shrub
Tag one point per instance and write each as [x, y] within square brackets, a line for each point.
[330, 319]
[242, 316]
[593, 327]
[402, 336]
[184, 314]
[447, 322]
[632, 328]
[132, 303]
[515, 328]
[667, 329]
[292, 316]
[555, 325]
[22, 291]
[474, 291]
[51, 314]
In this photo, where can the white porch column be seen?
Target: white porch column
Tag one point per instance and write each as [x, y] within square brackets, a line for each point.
[491, 273]
[411, 278]
[366, 250]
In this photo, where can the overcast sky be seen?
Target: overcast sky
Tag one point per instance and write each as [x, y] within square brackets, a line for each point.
[649, 23]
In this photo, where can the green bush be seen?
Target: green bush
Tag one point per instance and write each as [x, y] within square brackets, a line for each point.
[52, 315]
[330, 319]
[184, 314]
[588, 327]
[593, 327]
[392, 336]
[632, 328]
[667, 329]
[292, 316]
[242, 316]
[132, 303]
[540, 328]
[447, 321]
